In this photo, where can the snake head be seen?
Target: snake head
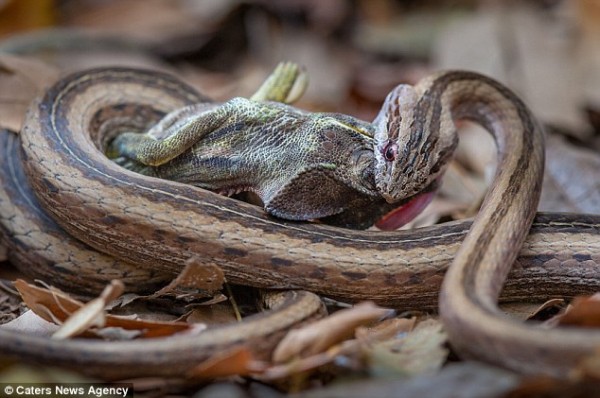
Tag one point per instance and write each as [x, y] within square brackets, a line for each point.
[414, 139]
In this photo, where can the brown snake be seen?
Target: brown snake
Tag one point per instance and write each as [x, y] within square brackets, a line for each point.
[159, 224]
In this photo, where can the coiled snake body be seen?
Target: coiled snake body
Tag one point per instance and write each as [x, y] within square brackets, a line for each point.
[159, 224]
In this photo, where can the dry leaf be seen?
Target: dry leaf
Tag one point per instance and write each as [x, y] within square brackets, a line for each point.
[533, 311]
[236, 361]
[570, 183]
[583, 312]
[195, 281]
[31, 323]
[21, 80]
[91, 314]
[302, 365]
[24, 15]
[421, 351]
[320, 335]
[56, 306]
[210, 314]
[351, 350]
[390, 328]
[50, 304]
[532, 56]
[124, 300]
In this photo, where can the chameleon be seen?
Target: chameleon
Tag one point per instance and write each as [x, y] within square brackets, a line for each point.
[302, 165]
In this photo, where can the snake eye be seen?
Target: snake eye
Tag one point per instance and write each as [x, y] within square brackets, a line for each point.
[390, 151]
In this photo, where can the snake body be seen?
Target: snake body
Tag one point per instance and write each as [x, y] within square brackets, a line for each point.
[159, 224]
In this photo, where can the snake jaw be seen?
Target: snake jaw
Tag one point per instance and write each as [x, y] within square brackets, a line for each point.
[409, 209]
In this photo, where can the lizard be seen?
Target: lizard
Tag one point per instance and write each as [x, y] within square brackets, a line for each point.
[302, 165]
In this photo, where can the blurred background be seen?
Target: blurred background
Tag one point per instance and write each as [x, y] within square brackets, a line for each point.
[355, 51]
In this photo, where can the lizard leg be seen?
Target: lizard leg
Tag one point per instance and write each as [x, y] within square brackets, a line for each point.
[178, 137]
[181, 129]
[287, 83]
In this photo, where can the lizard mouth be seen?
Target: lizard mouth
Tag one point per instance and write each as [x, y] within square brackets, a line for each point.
[409, 209]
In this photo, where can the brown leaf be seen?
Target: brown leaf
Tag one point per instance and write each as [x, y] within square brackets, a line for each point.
[210, 314]
[533, 311]
[56, 306]
[319, 336]
[583, 312]
[26, 15]
[91, 314]
[352, 350]
[21, 80]
[50, 304]
[194, 281]
[236, 361]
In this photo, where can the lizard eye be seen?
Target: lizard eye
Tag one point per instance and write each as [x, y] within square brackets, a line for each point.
[390, 151]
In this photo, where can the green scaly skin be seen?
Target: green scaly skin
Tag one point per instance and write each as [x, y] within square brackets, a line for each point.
[302, 165]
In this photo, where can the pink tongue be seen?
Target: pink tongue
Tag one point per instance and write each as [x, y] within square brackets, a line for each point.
[405, 213]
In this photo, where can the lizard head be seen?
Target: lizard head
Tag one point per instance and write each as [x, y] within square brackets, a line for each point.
[414, 139]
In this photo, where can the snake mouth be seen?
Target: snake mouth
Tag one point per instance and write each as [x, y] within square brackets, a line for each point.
[409, 209]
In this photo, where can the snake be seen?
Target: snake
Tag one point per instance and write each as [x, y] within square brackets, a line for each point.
[507, 250]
